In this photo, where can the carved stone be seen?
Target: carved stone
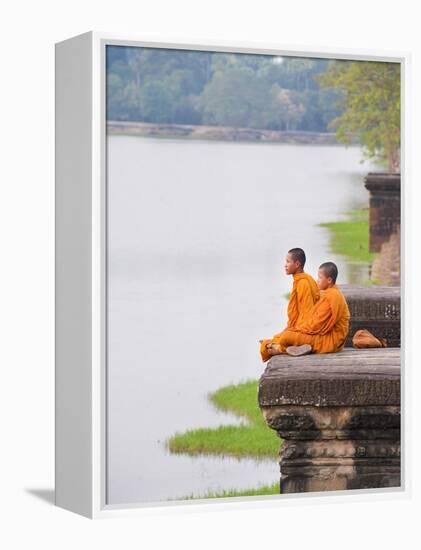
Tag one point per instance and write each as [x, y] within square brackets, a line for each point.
[339, 417]
[375, 308]
[385, 206]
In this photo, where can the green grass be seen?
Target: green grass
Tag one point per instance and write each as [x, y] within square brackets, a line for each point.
[350, 238]
[251, 439]
[262, 490]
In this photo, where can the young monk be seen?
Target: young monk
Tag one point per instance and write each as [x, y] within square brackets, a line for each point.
[325, 328]
[304, 294]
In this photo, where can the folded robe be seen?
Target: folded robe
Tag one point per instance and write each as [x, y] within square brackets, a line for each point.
[364, 339]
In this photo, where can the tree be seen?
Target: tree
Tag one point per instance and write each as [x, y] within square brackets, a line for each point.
[286, 107]
[234, 97]
[155, 102]
[371, 104]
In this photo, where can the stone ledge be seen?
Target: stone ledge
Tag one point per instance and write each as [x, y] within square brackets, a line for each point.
[349, 378]
[374, 292]
[383, 182]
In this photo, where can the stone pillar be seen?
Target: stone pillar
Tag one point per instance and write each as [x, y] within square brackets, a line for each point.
[385, 206]
[386, 266]
[339, 417]
[374, 308]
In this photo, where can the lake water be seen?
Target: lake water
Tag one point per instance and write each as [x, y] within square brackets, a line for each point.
[198, 233]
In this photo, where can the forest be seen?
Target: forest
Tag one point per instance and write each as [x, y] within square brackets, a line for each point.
[172, 86]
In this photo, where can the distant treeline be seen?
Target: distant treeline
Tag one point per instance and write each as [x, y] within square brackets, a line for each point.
[240, 90]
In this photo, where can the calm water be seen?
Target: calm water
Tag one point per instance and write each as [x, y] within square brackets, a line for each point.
[197, 236]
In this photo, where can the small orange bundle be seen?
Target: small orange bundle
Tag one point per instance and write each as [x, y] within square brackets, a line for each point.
[364, 339]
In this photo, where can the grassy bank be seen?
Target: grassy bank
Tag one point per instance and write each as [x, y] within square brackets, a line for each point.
[350, 237]
[263, 490]
[251, 439]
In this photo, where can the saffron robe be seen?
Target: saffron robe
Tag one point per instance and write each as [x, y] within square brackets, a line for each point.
[325, 328]
[364, 339]
[305, 293]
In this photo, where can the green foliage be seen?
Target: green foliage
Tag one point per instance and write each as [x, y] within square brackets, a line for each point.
[371, 107]
[240, 399]
[240, 90]
[250, 439]
[235, 97]
[273, 489]
[155, 102]
[235, 441]
[357, 98]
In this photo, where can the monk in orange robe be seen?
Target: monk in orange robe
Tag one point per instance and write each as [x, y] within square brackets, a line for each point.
[305, 292]
[324, 329]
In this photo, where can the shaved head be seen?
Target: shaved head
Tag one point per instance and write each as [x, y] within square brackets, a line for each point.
[298, 255]
[330, 270]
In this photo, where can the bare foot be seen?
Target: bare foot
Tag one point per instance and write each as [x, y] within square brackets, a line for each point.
[274, 349]
[296, 351]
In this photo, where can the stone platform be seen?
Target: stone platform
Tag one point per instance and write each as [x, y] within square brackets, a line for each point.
[339, 417]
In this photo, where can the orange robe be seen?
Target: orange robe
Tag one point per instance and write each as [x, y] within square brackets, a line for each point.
[325, 328]
[305, 293]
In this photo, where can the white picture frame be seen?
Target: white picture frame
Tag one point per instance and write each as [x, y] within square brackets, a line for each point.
[80, 360]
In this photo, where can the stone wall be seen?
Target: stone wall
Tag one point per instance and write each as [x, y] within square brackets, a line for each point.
[375, 308]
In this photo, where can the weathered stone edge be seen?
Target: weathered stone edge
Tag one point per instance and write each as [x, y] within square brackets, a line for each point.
[335, 392]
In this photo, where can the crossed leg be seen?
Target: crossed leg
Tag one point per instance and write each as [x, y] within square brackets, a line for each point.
[280, 342]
